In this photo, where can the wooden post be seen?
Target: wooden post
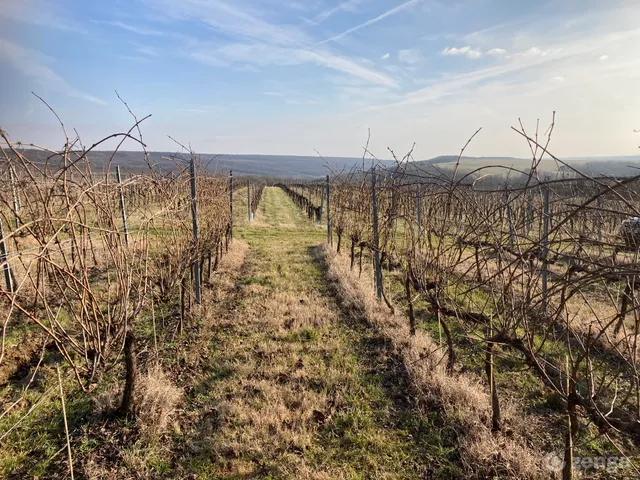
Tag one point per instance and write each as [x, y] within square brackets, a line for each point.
[407, 291]
[231, 205]
[496, 419]
[329, 236]
[529, 206]
[419, 208]
[249, 199]
[376, 239]
[194, 217]
[545, 247]
[599, 216]
[4, 260]
[16, 199]
[321, 202]
[509, 219]
[122, 206]
[128, 399]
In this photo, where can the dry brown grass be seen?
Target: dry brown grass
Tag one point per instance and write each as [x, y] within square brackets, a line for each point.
[157, 404]
[463, 398]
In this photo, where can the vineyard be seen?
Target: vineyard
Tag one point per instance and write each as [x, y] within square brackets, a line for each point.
[528, 286]
[379, 323]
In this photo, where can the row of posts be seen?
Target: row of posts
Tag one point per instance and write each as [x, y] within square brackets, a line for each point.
[376, 239]
[194, 216]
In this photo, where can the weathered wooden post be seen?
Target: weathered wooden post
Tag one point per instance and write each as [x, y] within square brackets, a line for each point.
[545, 247]
[249, 199]
[16, 199]
[419, 208]
[231, 204]
[122, 206]
[5, 261]
[509, 219]
[321, 202]
[329, 236]
[376, 239]
[599, 206]
[194, 217]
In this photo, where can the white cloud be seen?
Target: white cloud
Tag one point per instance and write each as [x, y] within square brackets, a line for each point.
[604, 57]
[409, 56]
[534, 52]
[497, 52]
[385, 56]
[30, 64]
[466, 51]
[559, 79]
[132, 28]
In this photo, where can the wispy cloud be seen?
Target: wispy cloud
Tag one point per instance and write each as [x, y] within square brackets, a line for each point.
[372, 21]
[146, 50]
[135, 58]
[409, 56]
[385, 56]
[263, 55]
[30, 64]
[41, 13]
[198, 110]
[261, 43]
[345, 6]
[298, 101]
[132, 28]
[347, 66]
[231, 19]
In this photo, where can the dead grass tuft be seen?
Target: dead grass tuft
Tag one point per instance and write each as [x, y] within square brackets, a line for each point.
[233, 259]
[157, 403]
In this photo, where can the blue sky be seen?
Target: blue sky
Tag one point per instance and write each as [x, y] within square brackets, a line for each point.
[291, 76]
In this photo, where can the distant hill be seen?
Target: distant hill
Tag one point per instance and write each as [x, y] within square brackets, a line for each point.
[281, 166]
[616, 166]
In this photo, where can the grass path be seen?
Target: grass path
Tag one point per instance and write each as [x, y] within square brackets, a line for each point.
[295, 389]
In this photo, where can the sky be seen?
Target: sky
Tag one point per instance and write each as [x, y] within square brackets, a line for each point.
[296, 76]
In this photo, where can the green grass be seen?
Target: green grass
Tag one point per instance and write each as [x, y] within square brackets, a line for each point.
[374, 430]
